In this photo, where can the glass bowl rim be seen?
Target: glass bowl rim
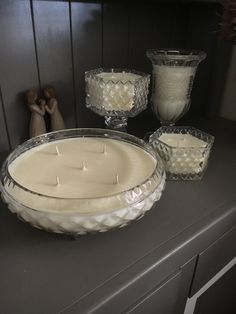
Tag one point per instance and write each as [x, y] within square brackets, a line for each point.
[209, 143]
[177, 53]
[146, 147]
[93, 74]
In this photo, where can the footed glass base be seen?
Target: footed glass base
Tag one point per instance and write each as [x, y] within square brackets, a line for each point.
[116, 123]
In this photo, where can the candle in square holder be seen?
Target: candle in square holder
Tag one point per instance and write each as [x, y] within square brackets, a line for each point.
[184, 150]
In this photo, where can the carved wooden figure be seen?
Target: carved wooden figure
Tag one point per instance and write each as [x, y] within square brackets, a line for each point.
[37, 123]
[57, 122]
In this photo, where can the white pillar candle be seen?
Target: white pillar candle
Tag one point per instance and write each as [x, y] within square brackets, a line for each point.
[84, 168]
[115, 92]
[187, 153]
[171, 90]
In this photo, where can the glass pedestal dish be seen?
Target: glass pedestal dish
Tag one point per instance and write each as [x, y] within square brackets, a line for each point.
[185, 158]
[80, 215]
[116, 94]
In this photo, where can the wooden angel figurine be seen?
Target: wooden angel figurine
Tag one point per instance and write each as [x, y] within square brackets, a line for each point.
[57, 122]
[37, 123]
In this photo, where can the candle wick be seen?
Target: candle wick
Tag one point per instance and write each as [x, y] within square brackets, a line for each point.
[104, 149]
[58, 181]
[57, 150]
[84, 166]
[117, 179]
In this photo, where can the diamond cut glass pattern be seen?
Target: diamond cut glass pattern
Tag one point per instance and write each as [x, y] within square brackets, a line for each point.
[116, 94]
[173, 75]
[183, 163]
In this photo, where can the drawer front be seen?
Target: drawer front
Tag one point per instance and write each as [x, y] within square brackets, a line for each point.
[161, 300]
[213, 259]
[220, 297]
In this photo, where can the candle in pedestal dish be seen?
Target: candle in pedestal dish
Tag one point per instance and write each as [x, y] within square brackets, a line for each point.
[171, 93]
[115, 92]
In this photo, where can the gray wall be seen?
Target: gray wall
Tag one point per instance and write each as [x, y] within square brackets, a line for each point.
[55, 42]
[228, 105]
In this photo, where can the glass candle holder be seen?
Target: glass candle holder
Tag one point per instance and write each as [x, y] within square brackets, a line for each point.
[173, 75]
[184, 150]
[56, 203]
[116, 94]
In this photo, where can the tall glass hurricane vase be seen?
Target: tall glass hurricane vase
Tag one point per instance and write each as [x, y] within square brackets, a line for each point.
[173, 75]
[116, 94]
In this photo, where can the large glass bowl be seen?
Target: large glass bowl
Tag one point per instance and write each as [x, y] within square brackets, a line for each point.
[69, 215]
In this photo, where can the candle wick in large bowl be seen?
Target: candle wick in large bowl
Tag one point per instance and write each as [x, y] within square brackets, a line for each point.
[58, 181]
[117, 179]
[57, 151]
[83, 166]
[104, 149]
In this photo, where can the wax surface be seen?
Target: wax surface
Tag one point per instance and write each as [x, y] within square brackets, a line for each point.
[84, 168]
[118, 76]
[182, 140]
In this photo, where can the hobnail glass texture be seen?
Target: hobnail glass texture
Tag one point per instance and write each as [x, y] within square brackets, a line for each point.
[173, 75]
[65, 215]
[183, 163]
[116, 99]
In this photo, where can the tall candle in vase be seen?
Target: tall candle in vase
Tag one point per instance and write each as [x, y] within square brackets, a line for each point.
[173, 75]
[171, 95]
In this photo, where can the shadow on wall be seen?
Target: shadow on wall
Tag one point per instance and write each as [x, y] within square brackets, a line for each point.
[228, 105]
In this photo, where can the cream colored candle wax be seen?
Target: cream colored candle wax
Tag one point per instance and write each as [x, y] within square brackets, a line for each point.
[115, 93]
[187, 153]
[80, 168]
[171, 90]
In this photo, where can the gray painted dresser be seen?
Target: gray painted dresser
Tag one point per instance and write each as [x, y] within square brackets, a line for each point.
[151, 266]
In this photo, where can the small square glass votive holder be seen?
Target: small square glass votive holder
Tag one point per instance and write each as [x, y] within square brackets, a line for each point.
[184, 150]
